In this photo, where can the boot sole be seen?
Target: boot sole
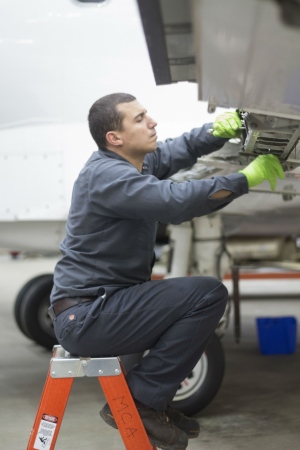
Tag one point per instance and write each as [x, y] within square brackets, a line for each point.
[163, 446]
[111, 421]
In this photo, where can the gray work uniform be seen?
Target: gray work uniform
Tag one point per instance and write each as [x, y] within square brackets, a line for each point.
[108, 253]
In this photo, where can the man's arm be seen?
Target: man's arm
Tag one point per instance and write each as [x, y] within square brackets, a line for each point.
[264, 167]
[182, 152]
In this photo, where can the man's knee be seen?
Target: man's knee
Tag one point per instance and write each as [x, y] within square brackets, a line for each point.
[205, 297]
[202, 287]
[214, 292]
[211, 285]
[223, 295]
[196, 292]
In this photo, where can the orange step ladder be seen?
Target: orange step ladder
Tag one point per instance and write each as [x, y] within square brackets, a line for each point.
[63, 369]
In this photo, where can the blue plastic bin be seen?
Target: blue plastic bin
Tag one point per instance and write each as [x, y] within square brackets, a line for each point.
[277, 335]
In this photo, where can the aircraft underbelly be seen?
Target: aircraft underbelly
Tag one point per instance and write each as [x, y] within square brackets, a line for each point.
[247, 57]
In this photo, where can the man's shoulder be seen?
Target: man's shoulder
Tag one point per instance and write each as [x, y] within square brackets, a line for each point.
[102, 162]
[102, 158]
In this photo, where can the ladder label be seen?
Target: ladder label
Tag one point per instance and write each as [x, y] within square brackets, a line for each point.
[45, 432]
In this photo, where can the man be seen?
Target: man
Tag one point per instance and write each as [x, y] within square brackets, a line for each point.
[103, 301]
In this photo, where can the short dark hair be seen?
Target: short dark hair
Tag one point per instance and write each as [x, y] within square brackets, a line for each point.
[104, 116]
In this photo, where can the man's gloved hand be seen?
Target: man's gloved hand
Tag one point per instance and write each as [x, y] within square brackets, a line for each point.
[227, 125]
[264, 167]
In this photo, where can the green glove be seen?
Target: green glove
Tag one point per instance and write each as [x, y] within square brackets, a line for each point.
[264, 167]
[227, 125]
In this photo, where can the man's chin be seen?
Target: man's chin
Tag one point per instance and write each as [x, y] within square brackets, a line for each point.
[151, 147]
[154, 145]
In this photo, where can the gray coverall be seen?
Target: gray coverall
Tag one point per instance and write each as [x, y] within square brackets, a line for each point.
[108, 254]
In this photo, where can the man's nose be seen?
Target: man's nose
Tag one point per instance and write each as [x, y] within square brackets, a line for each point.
[151, 122]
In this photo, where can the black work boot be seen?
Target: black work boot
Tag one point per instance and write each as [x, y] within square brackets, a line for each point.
[190, 426]
[160, 429]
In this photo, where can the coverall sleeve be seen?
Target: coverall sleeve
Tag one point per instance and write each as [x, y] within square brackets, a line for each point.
[182, 152]
[119, 190]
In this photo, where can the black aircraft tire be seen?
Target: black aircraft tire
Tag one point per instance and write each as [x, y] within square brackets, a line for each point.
[198, 390]
[31, 311]
[19, 301]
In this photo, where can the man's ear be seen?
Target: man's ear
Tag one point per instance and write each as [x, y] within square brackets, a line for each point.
[113, 138]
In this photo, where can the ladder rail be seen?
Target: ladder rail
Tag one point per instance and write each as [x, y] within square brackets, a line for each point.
[50, 413]
[125, 413]
[111, 375]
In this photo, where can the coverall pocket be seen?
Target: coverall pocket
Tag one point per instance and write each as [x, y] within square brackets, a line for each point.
[67, 320]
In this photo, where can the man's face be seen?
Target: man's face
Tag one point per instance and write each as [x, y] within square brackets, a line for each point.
[138, 135]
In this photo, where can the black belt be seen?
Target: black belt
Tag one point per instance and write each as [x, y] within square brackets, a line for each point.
[64, 303]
